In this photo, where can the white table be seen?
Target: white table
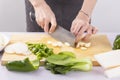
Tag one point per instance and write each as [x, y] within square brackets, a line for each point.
[42, 74]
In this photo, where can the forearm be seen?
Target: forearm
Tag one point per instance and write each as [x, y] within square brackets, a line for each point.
[36, 3]
[88, 6]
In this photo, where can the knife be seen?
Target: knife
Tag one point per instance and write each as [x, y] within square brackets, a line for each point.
[60, 33]
[63, 35]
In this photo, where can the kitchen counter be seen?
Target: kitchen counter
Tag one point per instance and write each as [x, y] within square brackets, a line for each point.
[42, 74]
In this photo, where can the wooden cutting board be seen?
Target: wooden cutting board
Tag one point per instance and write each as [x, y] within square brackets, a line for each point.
[100, 44]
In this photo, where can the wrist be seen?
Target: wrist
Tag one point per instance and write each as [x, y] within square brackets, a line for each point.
[88, 6]
[84, 16]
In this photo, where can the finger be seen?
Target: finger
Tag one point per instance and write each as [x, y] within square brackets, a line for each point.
[77, 39]
[53, 26]
[73, 27]
[77, 29]
[82, 30]
[89, 30]
[88, 34]
[46, 27]
[94, 30]
[41, 23]
[81, 33]
[39, 20]
[79, 36]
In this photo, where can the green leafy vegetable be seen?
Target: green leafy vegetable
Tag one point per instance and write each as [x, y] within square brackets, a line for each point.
[57, 69]
[116, 44]
[25, 66]
[66, 61]
[67, 53]
[83, 65]
[61, 59]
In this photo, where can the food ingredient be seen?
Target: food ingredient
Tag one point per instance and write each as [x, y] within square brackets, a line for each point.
[83, 45]
[60, 63]
[66, 61]
[116, 44]
[40, 50]
[18, 48]
[110, 61]
[23, 65]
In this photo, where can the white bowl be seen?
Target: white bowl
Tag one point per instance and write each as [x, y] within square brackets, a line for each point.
[5, 39]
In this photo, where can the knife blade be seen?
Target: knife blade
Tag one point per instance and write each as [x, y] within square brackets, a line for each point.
[63, 35]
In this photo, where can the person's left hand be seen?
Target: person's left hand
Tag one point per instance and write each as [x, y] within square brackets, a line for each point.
[81, 28]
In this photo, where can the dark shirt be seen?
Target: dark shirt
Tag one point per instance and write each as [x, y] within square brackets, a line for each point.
[65, 11]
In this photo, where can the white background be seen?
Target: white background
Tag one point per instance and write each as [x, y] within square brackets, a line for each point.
[106, 15]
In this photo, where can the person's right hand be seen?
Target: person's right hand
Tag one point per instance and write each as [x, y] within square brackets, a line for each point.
[45, 18]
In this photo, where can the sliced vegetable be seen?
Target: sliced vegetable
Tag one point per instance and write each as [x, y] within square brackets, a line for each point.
[41, 50]
[83, 48]
[83, 45]
[55, 44]
[67, 44]
[116, 44]
[18, 48]
[24, 66]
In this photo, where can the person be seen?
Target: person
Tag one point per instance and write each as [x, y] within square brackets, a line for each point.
[73, 15]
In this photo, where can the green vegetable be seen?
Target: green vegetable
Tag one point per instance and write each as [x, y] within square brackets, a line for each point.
[57, 69]
[66, 61]
[83, 65]
[61, 59]
[60, 63]
[116, 44]
[40, 50]
[67, 53]
[24, 66]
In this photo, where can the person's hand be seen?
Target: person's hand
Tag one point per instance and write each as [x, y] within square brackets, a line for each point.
[81, 28]
[45, 18]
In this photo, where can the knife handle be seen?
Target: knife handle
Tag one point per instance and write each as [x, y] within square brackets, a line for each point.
[32, 16]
